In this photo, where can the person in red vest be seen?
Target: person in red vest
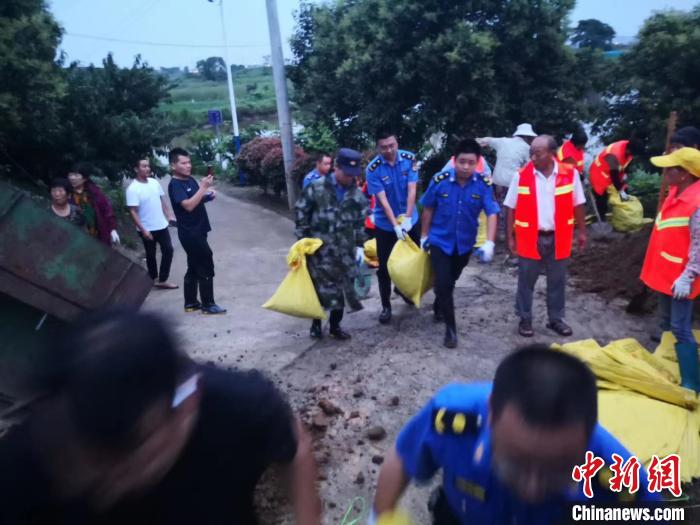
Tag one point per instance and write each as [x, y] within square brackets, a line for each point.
[672, 262]
[544, 201]
[572, 150]
[610, 167]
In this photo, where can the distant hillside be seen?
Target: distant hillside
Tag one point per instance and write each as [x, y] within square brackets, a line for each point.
[192, 97]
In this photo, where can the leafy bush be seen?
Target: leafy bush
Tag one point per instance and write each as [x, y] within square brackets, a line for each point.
[273, 167]
[645, 186]
[317, 138]
[251, 156]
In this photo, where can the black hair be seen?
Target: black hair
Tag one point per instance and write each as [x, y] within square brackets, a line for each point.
[82, 168]
[138, 159]
[60, 182]
[384, 133]
[635, 147]
[323, 155]
[548, 387]
[116, 364]
[175, 153]
[688, 136]
[579, 137]
[467, 146]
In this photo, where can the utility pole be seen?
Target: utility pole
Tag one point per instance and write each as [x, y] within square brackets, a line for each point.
[283, 115]
[229, 78]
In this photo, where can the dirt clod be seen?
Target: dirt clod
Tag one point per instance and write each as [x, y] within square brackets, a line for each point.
[376, 433]
[329, 408]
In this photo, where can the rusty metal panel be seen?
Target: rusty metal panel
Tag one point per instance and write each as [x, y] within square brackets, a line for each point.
[51, 265]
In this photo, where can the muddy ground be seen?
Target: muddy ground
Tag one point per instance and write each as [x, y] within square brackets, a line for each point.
[371, 385]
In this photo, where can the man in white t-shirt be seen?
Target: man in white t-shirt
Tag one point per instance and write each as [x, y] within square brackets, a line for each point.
[149, 210]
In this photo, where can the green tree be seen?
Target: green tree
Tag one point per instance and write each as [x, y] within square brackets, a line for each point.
[594, 34]
[212, 68]
[658, 74]
[462, 67]
[31, 83]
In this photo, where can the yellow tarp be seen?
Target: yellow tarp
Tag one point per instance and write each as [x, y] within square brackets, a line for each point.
[627, 216]
[640, 401]
[296, 295]
[409, 267]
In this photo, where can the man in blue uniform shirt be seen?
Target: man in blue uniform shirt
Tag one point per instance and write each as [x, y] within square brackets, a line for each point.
[392, 178]
[508, 450]
[450, 221]
[324, 163]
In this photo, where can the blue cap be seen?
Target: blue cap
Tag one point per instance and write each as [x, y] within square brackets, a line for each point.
[350, 161]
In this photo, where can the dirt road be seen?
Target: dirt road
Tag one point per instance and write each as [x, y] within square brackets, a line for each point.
[385, 373]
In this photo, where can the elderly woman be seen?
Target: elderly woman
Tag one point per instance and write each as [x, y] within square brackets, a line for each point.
[95, 205]
[61, 205]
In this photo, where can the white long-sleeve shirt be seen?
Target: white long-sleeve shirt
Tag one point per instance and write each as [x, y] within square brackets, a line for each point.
[512, 153]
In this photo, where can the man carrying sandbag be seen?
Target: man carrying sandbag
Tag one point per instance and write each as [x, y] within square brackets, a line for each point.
[451, 207]
[672, 262]
[333, 209]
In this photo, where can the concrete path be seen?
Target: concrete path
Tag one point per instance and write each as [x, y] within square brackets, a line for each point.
[250, 246]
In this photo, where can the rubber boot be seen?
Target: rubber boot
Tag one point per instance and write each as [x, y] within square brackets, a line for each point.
[688, 363]
[190, 289]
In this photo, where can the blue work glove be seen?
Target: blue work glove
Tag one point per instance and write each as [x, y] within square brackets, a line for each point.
[485, 252]
[400, 234]
[681, 287]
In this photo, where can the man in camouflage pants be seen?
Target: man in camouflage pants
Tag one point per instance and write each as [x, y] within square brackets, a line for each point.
[333, 209]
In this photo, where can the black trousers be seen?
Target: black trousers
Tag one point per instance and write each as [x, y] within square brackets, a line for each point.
[200, 268]
[160, 238]
[601, 202]
[335, 318]
[385, 243]
[447, 269]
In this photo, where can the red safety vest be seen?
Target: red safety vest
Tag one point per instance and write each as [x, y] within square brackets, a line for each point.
[568, 150]
[667, 253]
[600, 171]
[526, 222]
[369, 223]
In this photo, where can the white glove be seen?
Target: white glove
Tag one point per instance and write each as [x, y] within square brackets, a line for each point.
[115, 236]
[681, 287]
[485, 253]
[407, 224]
[424, 245]
[359, 255]
[398, 230]
[624, 196]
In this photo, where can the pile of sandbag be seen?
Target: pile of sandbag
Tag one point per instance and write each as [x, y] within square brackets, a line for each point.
[641, 402]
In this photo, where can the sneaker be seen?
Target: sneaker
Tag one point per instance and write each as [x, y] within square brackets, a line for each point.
[193, 307]
[213, 309]
[525, 328]
[385, 316]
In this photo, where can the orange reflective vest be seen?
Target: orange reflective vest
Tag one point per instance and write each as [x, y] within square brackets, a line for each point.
[568, 150]
[369, 220]
[600, 171]
[526, 221]
[667, 253]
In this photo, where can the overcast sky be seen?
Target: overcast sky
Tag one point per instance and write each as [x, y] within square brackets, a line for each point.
[180, 32]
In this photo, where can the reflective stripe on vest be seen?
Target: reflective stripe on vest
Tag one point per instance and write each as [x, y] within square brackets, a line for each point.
[526, 220]
[667, 254]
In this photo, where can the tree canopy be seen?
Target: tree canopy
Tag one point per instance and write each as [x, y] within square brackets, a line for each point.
[658, 74]
[457, 66]
[594, 34]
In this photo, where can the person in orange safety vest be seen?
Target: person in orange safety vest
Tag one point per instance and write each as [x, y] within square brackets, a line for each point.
[572, 151]
[544, 202]
[672, 262]
[610, 168]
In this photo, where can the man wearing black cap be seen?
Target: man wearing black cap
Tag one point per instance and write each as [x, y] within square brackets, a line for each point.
[333, 209]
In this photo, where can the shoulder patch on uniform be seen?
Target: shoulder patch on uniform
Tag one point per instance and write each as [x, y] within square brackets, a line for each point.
[407, 155]
[441, 176]
[487, 180]
[374, 165]
[452, 422]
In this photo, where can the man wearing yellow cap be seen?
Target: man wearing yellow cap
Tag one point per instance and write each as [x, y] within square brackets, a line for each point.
[672, 262]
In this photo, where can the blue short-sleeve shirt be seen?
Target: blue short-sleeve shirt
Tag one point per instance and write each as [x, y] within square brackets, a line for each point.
[456, 210]
[394, 181]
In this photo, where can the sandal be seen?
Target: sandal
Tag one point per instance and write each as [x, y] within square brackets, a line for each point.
[166, 285]
[525, 328]
[560, 327]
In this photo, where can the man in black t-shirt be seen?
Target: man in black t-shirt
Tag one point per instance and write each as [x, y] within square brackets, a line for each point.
[187, 199]
[137, 433]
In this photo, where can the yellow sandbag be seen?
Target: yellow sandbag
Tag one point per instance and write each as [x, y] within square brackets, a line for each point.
[371, 258]
[481, 232]
[627, 216]
[296, 295]
[410, 269]
[395, 517]
[640, 401]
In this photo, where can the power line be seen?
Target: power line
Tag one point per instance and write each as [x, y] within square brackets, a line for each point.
[159, 44]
